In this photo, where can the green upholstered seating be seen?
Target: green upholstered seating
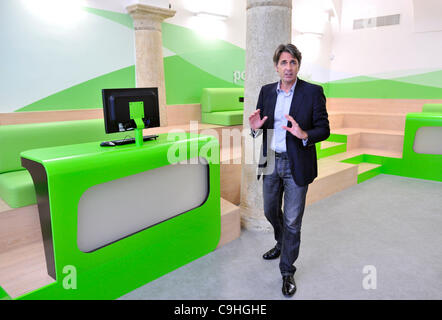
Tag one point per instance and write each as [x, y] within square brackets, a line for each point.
[222, 106]
[432, 107]
[16, 186]
[17, 189]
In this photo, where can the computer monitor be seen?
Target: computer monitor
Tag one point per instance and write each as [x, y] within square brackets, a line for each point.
[116, 109]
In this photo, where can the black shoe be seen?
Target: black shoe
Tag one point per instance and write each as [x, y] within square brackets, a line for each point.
[272, 254]
[288, 286]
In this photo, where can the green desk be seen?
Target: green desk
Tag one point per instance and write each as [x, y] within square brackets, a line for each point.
[115, 218]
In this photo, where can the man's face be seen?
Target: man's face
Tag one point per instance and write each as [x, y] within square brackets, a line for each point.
[287, 68]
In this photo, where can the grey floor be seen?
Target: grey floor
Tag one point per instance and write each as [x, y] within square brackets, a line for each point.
[391, 223]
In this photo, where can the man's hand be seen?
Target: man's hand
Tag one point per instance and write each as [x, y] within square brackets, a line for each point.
[255, 120]
[295, 129]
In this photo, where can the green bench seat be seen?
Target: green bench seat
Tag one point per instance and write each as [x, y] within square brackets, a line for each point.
[222, 106]
[230, 118]
[16, 186]
[432, 108]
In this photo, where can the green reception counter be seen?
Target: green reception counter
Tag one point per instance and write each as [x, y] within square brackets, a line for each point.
[115, 218]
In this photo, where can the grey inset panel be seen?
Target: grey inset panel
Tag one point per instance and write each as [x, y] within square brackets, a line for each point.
[114, 210]
[428, 140]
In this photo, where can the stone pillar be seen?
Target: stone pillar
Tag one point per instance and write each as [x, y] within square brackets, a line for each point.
[149, 66]
[268, 25]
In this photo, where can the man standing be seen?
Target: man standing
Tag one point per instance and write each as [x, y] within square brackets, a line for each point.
[292, 117]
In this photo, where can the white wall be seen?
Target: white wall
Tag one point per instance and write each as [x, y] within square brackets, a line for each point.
[232, 29]
[48, 46]
[427, 15]
[312, 25]
[383, 52]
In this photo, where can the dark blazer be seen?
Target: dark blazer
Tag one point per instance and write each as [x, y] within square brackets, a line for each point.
[309, 111]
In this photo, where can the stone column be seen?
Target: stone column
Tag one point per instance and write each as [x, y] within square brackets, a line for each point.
[149, 65]
[268, 25]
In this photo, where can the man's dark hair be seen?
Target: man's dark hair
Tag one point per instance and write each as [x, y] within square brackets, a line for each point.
[290, 48]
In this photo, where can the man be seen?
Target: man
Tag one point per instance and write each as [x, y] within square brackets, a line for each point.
[295, 113]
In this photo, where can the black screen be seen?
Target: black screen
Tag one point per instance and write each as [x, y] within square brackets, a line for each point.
[116, 108]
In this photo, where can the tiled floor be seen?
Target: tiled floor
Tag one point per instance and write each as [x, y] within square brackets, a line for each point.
[384, 233]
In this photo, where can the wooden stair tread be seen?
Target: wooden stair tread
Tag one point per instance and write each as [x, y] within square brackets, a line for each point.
[330, 144]
[333, 177]
[379, 152]
[365, 130]
[23, 269]
[365, 166]
[356, 152]
[327, 167]
[19, 227]
[370, 113]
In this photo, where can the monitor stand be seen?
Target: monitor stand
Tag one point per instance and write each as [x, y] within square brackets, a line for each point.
[139, 137]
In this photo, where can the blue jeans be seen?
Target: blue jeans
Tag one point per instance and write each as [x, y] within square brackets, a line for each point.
[286, 224]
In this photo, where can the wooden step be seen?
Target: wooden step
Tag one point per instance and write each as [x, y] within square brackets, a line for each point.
[367, 171]
[230, 222]
[359, 151]
[381, 121]
[333, 177]
[367, 120]
[330, 144]
[336, 120]
[19, 227]
[365, 167]
[328, 148]
[230, 174]
[23, 269]
[389, 140]
[22, 258]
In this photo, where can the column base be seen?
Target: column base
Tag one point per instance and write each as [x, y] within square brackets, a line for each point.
[250, 221]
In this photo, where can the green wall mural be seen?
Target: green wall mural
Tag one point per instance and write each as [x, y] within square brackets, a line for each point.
[121, 18]
[410, 87]
[193, 62]
[184, 81]
[86, 95]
